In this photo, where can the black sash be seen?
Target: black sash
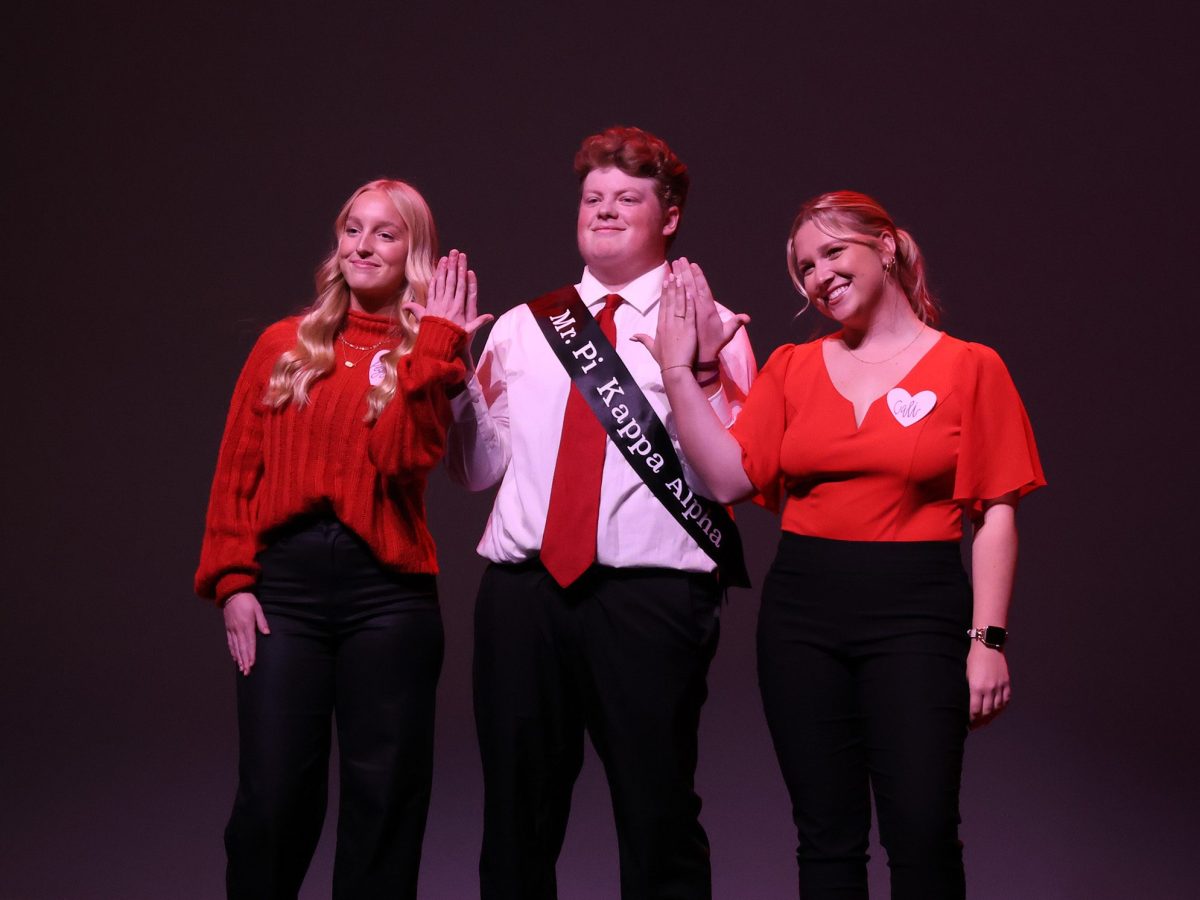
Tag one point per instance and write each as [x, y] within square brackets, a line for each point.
[618, 402]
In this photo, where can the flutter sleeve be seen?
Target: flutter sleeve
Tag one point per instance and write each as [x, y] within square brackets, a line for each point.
[760, 428]
[997, 454]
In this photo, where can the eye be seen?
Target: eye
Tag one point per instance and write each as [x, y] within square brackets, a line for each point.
[834, 252]
[351, 230]
[386, 235]
[629, 199]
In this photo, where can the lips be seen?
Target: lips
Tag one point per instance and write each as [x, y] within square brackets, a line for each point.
[836, 293]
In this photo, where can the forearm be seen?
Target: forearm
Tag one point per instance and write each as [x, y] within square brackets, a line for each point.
[710, 450]
[477, 448]
[994, 564]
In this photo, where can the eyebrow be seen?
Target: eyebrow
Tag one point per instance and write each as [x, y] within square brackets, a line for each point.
[386, 223]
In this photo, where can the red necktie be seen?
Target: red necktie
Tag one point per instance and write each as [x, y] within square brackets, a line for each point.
[569, 541]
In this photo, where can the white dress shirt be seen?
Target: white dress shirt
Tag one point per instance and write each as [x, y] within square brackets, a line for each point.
[508, 421]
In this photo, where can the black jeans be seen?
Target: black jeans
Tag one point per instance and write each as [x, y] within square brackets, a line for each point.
[624, 655]
[352, 640]
[862, 665]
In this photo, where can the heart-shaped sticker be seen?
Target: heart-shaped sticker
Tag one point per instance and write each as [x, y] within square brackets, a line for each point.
[909, 408]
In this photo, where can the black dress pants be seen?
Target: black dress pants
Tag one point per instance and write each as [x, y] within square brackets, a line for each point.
[862, 665]
[624, 655]
[351, 640]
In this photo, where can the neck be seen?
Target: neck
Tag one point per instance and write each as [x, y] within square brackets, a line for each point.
[616, 278]
[892, 320]
[374, 306]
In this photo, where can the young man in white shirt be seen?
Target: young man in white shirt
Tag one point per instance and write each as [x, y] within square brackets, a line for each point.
[617, 641]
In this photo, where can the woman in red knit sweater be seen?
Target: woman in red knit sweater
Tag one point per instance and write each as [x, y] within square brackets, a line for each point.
[317, 551]
[875, 653]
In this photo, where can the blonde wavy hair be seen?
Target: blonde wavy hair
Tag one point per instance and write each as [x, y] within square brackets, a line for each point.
[849, 215]
[313, 356]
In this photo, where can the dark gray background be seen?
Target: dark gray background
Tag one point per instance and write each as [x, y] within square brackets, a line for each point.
[180, 167]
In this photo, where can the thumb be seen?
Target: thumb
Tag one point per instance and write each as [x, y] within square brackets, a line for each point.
[646, 341]
[741, 320]
[415, 308]
[261, 619]
[478, 322]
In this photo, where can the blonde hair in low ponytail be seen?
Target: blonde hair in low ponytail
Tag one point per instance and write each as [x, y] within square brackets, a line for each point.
[313, 356]
[849, 215]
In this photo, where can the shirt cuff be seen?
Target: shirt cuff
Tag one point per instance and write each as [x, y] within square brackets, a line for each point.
[720, 405]
[469, 405]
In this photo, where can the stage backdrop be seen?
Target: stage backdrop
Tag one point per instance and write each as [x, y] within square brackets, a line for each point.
[179, 169]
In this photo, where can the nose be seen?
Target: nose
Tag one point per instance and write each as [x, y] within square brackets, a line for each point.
[607, 209]
[365, 244]
[823, 273]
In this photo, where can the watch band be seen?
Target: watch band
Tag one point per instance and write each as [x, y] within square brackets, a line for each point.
[990, 636]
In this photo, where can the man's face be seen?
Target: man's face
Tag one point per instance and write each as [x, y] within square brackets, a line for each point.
[622, 228]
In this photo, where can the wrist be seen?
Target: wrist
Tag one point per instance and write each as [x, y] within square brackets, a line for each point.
[994, 637]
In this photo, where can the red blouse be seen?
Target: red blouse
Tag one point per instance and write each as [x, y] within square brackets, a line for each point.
[278, 464]
[952, 433]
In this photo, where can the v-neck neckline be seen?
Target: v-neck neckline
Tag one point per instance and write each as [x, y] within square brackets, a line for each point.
[858, 423]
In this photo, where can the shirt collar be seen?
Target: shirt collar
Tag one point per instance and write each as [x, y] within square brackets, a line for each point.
[641, 293]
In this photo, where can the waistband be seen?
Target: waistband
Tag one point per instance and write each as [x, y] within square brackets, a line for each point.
[801, 552]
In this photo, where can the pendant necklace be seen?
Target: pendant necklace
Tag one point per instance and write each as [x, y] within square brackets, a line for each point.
[363, 351]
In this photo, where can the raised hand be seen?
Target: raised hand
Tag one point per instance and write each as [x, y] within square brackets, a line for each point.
[713, 332]
[453, 295]
[674, 345]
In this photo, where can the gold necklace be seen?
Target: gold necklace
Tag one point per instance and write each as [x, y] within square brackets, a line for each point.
[365, 350]
[876, 362]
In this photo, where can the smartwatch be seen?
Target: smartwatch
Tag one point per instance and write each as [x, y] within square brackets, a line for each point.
[990, 636]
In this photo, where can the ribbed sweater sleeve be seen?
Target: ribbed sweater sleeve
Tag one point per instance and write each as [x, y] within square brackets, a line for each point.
[409, 437]
[227, 563]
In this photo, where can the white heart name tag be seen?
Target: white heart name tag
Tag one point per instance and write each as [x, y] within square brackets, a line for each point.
[909, 408]
[376, 373]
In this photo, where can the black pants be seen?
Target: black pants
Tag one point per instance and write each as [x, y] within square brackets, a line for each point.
[862, 664]
[624, 655]
[352, 639]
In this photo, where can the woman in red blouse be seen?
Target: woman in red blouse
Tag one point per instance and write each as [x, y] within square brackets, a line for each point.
[316, 549]
[875, 651]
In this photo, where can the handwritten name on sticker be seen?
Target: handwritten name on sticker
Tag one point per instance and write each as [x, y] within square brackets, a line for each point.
[376, 372]
[909, 408]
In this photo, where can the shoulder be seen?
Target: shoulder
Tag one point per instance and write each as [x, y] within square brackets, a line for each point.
[275, 339]
[793, 355]
[280, 335]
[974, 356]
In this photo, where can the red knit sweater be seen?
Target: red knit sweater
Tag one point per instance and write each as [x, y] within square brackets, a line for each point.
[276, 465]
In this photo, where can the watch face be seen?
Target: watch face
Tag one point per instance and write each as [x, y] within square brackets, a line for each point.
[994, 635]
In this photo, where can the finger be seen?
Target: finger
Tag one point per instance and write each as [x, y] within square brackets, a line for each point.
[646, 341]
[703, 289]
[437, 286]
[478, 322]
[671, 295]
[260, 619]
[976, 705]
[730, 327]
[460, 293]
[472, 295]
[249, 649]
[688, 277]
[239, 656]
[450, 282]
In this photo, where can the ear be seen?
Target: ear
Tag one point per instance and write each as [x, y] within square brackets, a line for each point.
[887, 245]
[670, 221]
